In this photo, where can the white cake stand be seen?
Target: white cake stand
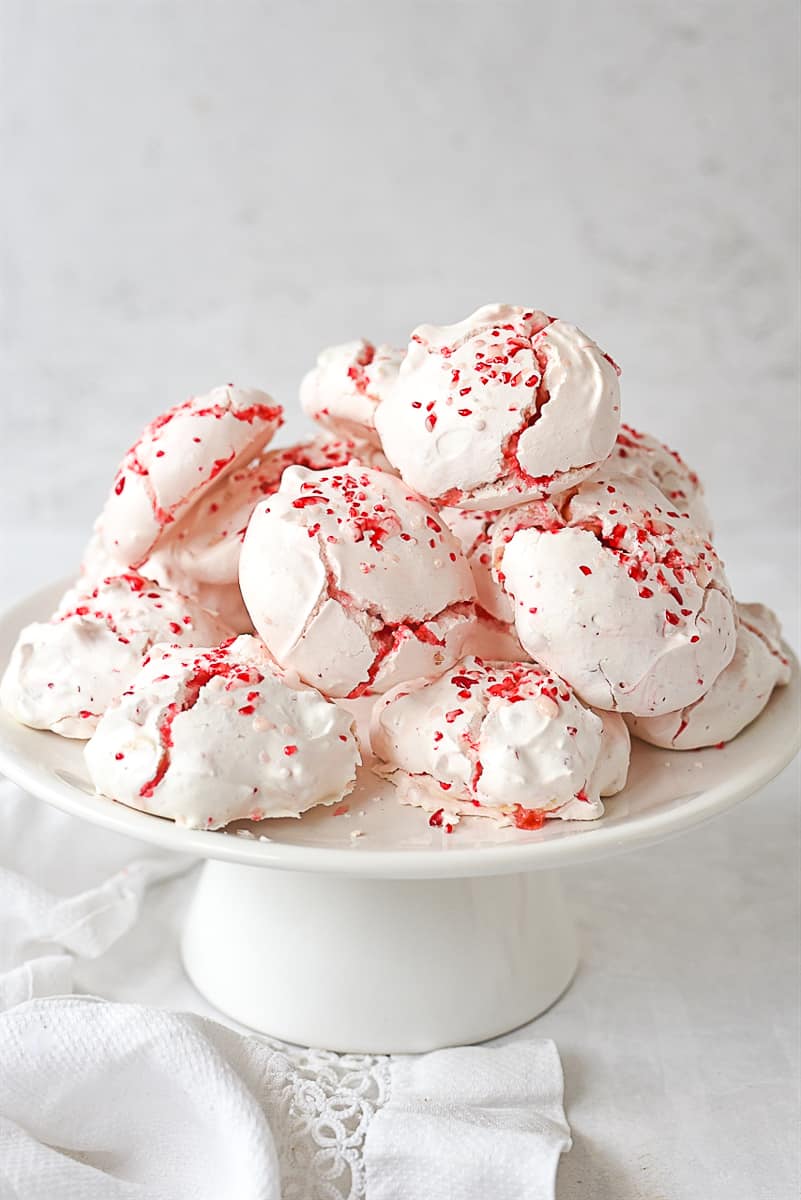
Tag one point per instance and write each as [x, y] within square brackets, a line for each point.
[372, 931]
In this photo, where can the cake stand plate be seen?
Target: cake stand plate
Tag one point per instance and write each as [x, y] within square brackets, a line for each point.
[370, 930]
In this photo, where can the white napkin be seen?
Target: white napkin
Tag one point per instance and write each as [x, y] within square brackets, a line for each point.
[115, 1100]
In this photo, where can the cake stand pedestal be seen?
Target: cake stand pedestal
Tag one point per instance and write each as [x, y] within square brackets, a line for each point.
[367, 930]
[372, 965]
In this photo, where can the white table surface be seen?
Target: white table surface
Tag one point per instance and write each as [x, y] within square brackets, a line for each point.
[680, 1034]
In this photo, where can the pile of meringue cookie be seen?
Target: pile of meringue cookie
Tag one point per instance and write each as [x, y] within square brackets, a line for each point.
[472, 546]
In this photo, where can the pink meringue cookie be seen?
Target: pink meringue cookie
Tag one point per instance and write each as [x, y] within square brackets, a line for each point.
[225, 601]
[353, 581]
[63, 674]
[176, 459]
[209, 736]
[737, 696]
[206, 544]
[640, 456]
[493, 636]
[506, 406]
[473, 529]
[222, 599]
[618, 593]
[507, 740]
[342, 391]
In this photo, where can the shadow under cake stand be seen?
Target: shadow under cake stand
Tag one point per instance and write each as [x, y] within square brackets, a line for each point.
[373, 931]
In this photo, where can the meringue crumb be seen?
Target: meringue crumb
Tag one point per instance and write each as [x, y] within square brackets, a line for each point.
[356, 833]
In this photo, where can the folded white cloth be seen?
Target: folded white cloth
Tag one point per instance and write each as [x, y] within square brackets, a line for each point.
[114, 1100]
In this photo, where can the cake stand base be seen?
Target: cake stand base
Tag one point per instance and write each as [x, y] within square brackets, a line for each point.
[378, 965]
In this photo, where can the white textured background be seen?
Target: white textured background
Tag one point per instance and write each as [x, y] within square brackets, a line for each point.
[195, 191]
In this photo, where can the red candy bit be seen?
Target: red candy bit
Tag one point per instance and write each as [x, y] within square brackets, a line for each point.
[175, 627]
[305, 501]
[119, 485]
[340, 810]
[585, 570]
[528, 818]
[119, 756]
[431, 421]
[435, 820]
[451, 716]
[136, 583]
[719, 745]
[247, 710]
[290, 750]
[671, 618]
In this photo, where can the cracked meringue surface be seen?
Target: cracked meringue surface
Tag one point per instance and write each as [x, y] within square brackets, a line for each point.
[506, 740]
[210, 735]
[353, 581]
[176, 459]
[640, 456]
[737, 696]
[618, 593]
[348, 382]
[64, 674]
[506, 406]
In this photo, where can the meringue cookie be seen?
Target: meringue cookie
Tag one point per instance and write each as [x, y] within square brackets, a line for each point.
[618, 593]
[222, 599]
[640, 456]
[737, 696]
[473, 529]
[349, 578]
[176, 459]
[208, 736]
[507, 740]
[493, 636]
[63, 674]
[342, 391]
[506, 406]
[206, 544]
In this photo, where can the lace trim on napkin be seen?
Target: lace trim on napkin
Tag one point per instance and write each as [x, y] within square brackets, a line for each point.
[319, 1106]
